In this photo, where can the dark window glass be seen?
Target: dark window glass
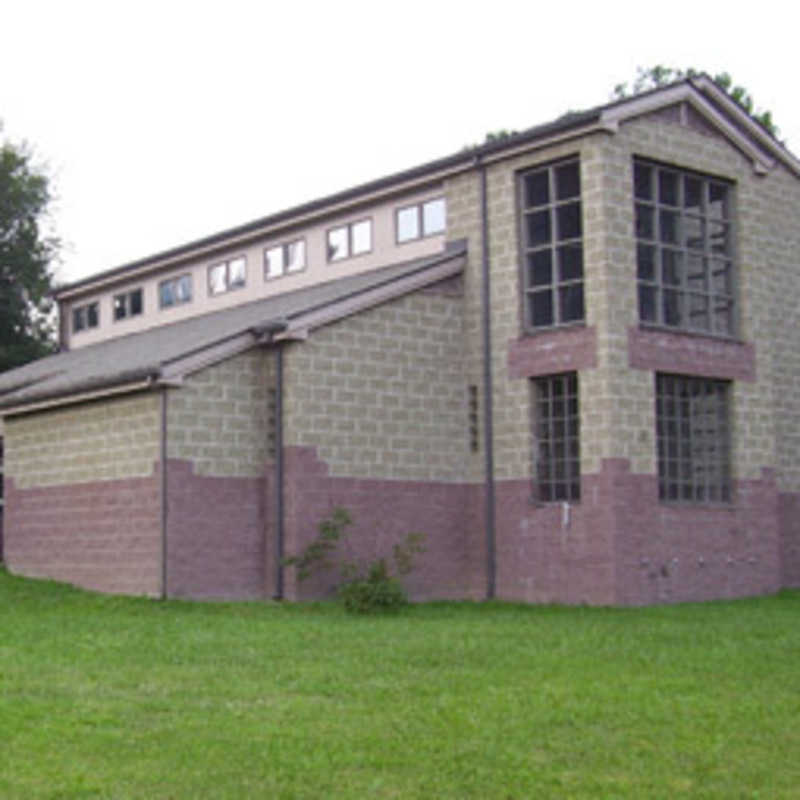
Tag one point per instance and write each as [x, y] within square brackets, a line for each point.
[537, 189]
[552, 249]
[692, 436]
[685, 226]
[556, 432]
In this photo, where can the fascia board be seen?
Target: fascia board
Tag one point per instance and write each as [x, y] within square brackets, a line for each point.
[708, 86]
[636, 107]
[178, 368]
[300, 325]
[80, 397]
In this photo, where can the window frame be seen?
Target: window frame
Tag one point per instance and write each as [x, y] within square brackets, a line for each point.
[563, 291]
[126, 300]
[419, 209]
[348, 226]
[284, 249]
[226, 265]
[175, 281]
[84, 314]
[677, 294]
[688, 467]
[548, 464]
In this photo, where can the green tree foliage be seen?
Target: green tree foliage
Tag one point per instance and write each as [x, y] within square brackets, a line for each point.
[365, 587]
[26, 254]
[659, 75]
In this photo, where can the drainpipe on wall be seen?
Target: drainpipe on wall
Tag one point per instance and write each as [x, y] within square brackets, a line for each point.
[279, 515]
[488, 417]
[163, 492]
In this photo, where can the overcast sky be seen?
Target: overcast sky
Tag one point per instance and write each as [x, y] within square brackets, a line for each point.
[161, 122]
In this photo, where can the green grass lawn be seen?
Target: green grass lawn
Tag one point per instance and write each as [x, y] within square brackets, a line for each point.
[107, 697]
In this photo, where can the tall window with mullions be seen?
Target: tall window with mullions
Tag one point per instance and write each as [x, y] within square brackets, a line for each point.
[552, 244]
[684, 249]
[556, 437]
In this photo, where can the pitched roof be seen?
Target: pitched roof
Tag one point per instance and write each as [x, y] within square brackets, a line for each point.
[701, 91]
[170, 351]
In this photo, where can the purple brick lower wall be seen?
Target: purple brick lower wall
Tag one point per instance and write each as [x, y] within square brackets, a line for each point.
[620, 545]
[383, 512]
[103, 535]
[789, 518]
[215, 535]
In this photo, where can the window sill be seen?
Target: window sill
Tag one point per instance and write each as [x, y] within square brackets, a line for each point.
[562, 326]
[716, 337]
[689, 505]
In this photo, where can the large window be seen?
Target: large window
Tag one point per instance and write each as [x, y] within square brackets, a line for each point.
[420, 220]
[684, 253]
[86, 316]
[693, 439]
[350, 240]
[550, 202]
[556, 435]
[227, 275]
[284, 258]
[175, 291]
[128, 304]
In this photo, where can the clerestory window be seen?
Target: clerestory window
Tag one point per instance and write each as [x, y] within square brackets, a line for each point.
[684, 249]
[227, 275]
[86, 316]
[128, 304]
[552, 245]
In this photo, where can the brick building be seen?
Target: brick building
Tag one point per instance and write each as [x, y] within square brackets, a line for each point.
[571, 358]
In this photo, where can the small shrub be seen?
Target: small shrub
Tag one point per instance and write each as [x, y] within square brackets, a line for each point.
[364, 587]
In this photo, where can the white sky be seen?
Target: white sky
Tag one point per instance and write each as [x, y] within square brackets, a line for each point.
[161, 122]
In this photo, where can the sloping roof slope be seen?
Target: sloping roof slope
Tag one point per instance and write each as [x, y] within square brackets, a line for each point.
[143, 355]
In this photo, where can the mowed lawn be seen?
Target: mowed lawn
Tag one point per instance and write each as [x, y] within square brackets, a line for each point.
[106, 697]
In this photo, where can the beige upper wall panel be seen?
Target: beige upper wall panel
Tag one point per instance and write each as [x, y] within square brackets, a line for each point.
[385, 251]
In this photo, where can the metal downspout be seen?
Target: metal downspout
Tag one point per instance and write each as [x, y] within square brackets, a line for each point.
[488, 418]
[163, 492]
[279, 511]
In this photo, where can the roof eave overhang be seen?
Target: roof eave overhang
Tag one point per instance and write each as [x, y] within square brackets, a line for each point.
[759, 147]
[455, 165]
[67, 399]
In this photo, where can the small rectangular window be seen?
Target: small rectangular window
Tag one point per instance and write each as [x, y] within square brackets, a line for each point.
[552, 244]
[420, 220]
[227, 275]
[175, 291]
[352, 239]
[285, 258]
[693, 439]
[85, 317]
[128, 304]
[556, 437]
[472, 417]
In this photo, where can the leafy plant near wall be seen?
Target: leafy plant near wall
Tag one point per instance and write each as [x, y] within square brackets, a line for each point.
[365, 587]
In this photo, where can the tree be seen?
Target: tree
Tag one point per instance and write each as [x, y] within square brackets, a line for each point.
[26, 253]
[659, 75]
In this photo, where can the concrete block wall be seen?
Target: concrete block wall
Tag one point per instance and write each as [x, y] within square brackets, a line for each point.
[616, 394]
[82, 494]
[218, 506]
[217, 418]
[375, 421]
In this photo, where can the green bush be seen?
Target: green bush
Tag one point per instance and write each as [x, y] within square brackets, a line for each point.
[365, 587]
